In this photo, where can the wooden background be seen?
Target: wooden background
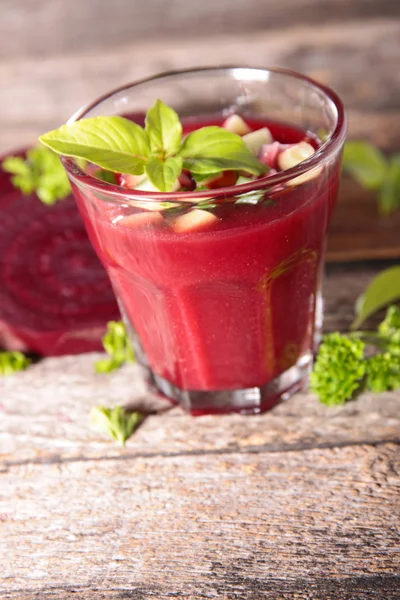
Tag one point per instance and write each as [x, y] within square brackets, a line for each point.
[300, 503]
[56, 56]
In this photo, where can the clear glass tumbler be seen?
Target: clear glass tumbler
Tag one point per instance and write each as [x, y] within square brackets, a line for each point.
[223, 318]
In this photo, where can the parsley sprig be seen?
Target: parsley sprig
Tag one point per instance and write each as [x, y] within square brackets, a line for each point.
[40, 172]
[116, 422]
[118, 347]
[12, 362]
[345, 366]
[119, 145]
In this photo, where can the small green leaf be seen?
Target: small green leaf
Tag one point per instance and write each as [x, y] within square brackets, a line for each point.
[390, 326]
[389, 198]
[250, 197]
[107, 176]
[164, 129]
[366, 163]
[213, 149]
[118, 347]
[12, 362]
[116, 422]
[41, 172]
[113, 143]
[163, 174]
[24, 176]
[200, 177]
[16, 165]
[206, 205]
[382, 290]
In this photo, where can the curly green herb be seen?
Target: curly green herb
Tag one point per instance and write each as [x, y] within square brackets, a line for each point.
[40, 172]
[118, 347]
[12, 362]
[342, 368]
[116, 422]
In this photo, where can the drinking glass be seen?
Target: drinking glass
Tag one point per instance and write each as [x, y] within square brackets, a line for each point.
[222, 318]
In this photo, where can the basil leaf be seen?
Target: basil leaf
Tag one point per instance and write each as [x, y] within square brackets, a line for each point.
[389, 198]
[163, 129]
[200, 177]
[366, 163]
[213, 149]
[107, 176]
[249, 197]
[385, 288]
[206, 205]
[163, 174]
[113, 143]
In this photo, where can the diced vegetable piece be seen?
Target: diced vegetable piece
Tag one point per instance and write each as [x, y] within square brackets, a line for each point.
[194, 220]
[269, 153]
[256, 139]
[236, 124]
[295, 155]
[312, 174]
[129, 181]
[140, 219]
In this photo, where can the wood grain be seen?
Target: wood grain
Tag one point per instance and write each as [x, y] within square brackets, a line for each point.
[40, 28]
[358, 231]
[54, 426]
[315, 524]
[359, 59]
[39, 93]
[301, 502]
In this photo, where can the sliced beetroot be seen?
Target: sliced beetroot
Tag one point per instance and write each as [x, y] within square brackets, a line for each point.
[55, 296]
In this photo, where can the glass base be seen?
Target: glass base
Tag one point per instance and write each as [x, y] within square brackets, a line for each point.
[246, 401]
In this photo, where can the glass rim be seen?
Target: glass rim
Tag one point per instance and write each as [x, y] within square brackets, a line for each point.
[329, 147]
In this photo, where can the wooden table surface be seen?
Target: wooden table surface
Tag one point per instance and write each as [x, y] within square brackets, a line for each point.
[54, 60]
[299, 503]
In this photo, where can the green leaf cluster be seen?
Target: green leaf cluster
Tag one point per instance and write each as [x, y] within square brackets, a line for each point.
[369, 166]
[342, 368]
[118, 347]
[383, 372]
[116, 422]
[12, 362]
[338, 369]
[40, 172]
[158, 151]
[383, 289]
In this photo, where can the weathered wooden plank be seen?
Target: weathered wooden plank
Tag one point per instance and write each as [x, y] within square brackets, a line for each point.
[40, 28]
[39, 94]
[45, 409]
[358, 231]
[308, 525]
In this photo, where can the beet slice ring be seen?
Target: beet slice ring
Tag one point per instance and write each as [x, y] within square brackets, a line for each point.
[55, 296]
